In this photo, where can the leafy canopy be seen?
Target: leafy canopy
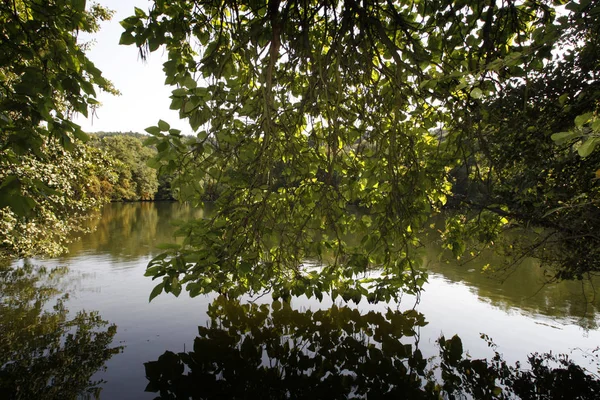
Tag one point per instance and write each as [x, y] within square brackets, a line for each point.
[529, 156]
[318, 119]
[136, 180]
[45, 77]
[49, 180]
[61, 191]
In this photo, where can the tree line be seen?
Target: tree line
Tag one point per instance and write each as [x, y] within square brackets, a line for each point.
[134, 179]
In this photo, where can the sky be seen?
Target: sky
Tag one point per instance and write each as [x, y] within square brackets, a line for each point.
[144, 98]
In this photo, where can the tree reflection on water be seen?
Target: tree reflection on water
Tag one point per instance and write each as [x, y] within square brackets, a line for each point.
[44, 352]
[274, 351]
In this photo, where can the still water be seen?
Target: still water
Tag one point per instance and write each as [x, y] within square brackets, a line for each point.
[103, 274]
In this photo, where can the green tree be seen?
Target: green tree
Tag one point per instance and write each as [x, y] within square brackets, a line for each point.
[45, 78]
[136, 180]
[302, 109]
[164, 191]
[529, 157]
[61, 190]
[45, 74]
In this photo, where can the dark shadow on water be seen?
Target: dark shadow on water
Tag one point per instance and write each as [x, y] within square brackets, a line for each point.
[272, 351]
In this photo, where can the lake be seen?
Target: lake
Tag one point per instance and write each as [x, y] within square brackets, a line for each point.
[103, 273]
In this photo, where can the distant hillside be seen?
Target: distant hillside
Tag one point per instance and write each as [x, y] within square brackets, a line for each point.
[102, 134]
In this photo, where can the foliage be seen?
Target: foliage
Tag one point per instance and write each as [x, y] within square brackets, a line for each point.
[46, 185]
[57, 194]
[581, 65]
[165, 190]
[103, 134]
[136, 180]
[44, 353]
[134, 169]
[303, 110]
[529, 157]
[45, 77]
[276, 352]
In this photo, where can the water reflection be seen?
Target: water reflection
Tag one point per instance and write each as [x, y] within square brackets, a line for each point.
[104, 274]
[274, 351]
[524, 287]
[128, 231]
[44, 351]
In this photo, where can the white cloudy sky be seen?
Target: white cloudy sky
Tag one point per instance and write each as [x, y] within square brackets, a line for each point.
[144, 97]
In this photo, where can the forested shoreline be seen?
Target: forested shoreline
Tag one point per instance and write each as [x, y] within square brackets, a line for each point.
[134, 179]
[61, 188]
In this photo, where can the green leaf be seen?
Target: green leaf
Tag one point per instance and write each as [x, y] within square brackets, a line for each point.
[154, 43]
[9, 181]
[139, 12]
[87, 87]
[163, 126]
[194, 289]
[204, 37]
[126, 39]
[562, 137]
[587, 147]
[151, 141]
[130, 22]
[476, 93]
[319, 295]
[153, 130]
[156, 291]
[197, 118]
[81, 135]
[78, 5]
[563, 99]
[19, 204]
[582, 119]
[162, 146]
[176, 103]
[179, 92]
[153, 271]
[189, 107]
[176, 289]
[189, 82]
